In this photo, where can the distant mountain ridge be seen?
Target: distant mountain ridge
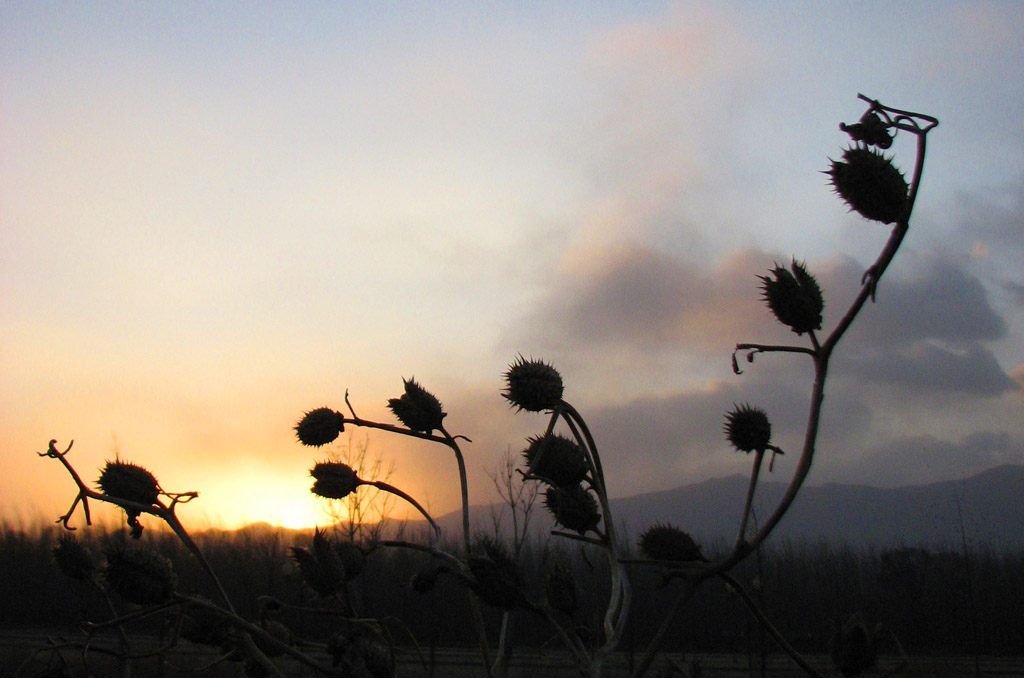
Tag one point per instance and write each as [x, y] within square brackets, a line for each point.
[989, 506]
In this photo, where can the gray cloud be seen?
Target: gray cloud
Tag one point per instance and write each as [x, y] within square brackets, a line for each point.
[924, 458]
[929, 367]
[942, 302]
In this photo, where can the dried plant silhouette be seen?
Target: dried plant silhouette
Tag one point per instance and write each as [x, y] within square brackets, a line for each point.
[563, 464]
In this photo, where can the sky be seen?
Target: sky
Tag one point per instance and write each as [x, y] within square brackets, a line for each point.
[215, 217]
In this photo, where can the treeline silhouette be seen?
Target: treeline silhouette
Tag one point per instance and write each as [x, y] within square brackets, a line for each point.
[936, 602]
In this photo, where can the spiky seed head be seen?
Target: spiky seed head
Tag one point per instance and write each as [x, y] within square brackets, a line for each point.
[333, 480]
[495, 577]
[748, 429]
[322, 567]
[560, 591]
[573, 507]
[870, 184]
[665, 542]
[855, 647]
[794, 298]
[417, 409]
[73, 558]
[139, 575]
[319, 427]
[556, 459]
[533, 385]
[125, 480]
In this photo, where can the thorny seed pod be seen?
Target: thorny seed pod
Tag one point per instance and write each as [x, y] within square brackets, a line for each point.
[573, 507]
[533, 385]
[855, 647]
[123, 480]
[319, 427]
[794, 298]
[139, 574]
[418, 409]
[73, 558]
[322, 568]
[333, 480]
[556, 459]
[870, 184]
[560, 591]
[748, 429]
[665, 542]
[495, 577]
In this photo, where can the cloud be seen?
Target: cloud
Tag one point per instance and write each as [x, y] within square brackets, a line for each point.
[924, 458]
[628, 294]
[943, 302]
[924, 366]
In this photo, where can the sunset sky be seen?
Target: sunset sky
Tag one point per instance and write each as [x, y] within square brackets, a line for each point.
[216, 216]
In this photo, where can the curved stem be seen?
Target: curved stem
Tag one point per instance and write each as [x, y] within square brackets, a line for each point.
[386, 487]
[463, 486]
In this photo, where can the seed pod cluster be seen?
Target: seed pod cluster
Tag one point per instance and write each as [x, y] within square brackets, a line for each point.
[327, 567]
[556, 459]
[333, 480]
[139, 575]
[125, 480]
[494, 575]
[533, 385]
[665, 542]
[319, 427]
[748, 429]
[573, 507]
[417, 409]
[73, 558]
[793, 297]
[870, 184]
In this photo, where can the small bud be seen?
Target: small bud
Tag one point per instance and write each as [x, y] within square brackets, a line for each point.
[418, 409]
[665, 542]
[319, 427]
[139, 575]
[533, 385]
[124, 480]
[748, 429]
[333, 480]
[573, 507]
[556, 460]
[73, 558]
[794, 298]
[870, 184]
